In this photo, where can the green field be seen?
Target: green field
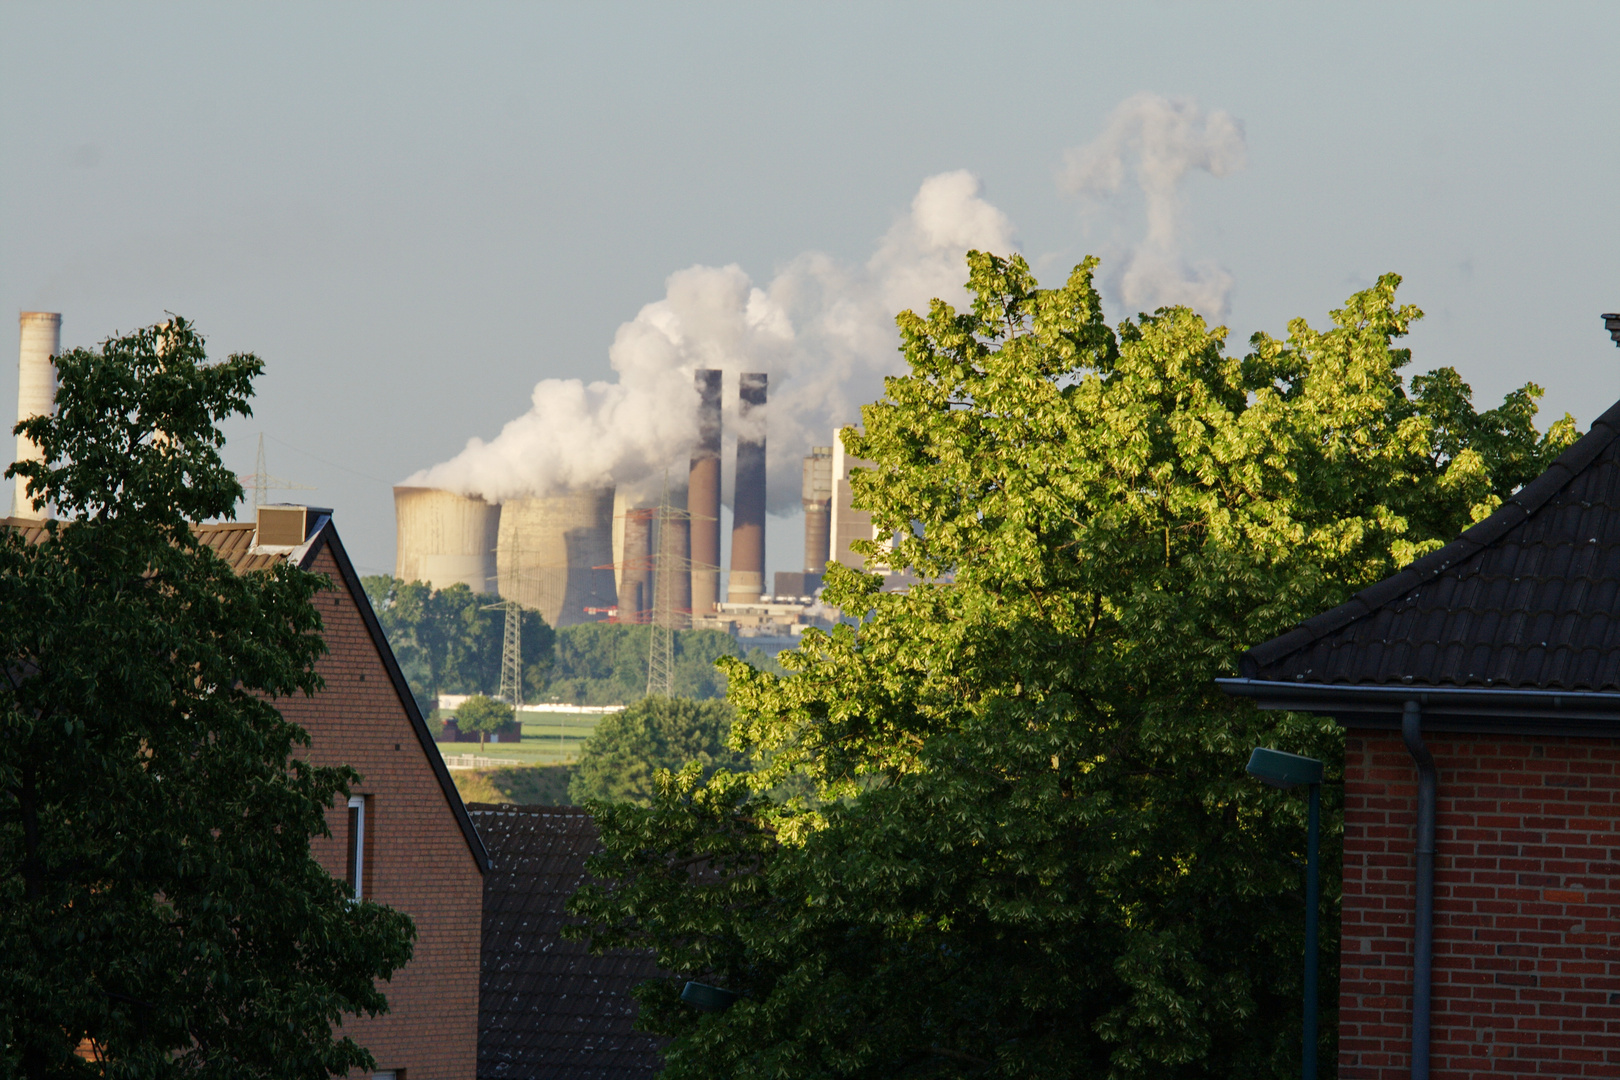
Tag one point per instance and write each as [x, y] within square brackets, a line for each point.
[548, 739]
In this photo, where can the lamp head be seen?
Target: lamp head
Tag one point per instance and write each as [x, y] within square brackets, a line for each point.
[1284, 770]
[1611, 323]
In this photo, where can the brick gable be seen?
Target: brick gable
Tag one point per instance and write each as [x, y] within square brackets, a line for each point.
[417, 858]
[1527, 902]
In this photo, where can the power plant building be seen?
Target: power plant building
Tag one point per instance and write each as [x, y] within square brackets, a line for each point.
[446, 539]
[40, 340]
[555, 555]
[847, 523]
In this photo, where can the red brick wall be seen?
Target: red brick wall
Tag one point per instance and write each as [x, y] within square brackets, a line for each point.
[1526, 970]
[417, 858]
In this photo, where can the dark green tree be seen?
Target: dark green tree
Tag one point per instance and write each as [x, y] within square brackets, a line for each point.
[483, 715]
[621, 760]
[1034, 851]
[450, 640]
[158, 897]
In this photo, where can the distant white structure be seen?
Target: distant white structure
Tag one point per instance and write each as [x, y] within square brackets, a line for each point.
[446, 539]
[41, 341]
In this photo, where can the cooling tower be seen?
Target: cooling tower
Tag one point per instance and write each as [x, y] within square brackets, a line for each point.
[555, 554]
[747, 579]
[636, 565]
[445, 538]
[672, 582]
[703, 495]
[41, 339]
[816, 496]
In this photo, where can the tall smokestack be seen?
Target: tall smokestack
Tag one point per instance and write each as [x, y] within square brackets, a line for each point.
[41, 339]
[635, 567]
[817, 499]
[748, 497]
[703, 496]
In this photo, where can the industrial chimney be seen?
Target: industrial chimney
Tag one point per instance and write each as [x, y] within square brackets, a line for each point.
[747, 580]
[41, 340]
[817, 499]
[635, 565]
[703, 496]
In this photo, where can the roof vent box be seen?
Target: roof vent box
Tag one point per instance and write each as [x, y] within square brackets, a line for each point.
[286, 526]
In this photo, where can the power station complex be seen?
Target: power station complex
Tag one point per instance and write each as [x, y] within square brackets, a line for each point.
[588, 555]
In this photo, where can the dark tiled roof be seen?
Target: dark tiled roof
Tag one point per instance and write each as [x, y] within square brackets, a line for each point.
[1525, 600]
[548, 1008]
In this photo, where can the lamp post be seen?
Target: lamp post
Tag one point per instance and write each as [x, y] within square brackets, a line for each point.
[1283, 770]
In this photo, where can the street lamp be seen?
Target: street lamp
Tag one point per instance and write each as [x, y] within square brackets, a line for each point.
[1283, 770]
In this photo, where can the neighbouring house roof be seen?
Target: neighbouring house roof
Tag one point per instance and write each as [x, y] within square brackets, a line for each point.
[1517, 618]
[234, 542]
[547, 1007]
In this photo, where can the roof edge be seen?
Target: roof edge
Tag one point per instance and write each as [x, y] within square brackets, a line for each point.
[1519, 506]
[1460, 708]
[325, 535]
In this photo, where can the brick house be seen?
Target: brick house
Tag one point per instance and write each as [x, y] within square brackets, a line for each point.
[549, 1010]
[1479, 689]
[405, 838]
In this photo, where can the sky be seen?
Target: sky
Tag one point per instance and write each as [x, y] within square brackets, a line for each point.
[414, 214]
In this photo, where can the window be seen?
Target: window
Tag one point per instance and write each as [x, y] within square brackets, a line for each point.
[357, 845]
[388, 1074]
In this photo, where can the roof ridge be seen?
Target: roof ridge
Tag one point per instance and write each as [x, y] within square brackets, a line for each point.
[1518, 508]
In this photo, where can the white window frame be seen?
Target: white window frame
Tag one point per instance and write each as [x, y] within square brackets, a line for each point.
[356, 869]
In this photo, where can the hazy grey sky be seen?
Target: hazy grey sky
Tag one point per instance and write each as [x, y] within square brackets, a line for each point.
[413, 213]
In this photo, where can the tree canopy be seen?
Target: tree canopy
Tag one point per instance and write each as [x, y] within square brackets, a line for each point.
[158, 897]
[484, 715]
[1032, 850]
[621, 760]
[449, 641]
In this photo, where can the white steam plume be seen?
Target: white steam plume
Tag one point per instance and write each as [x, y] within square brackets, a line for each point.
[823, 331]
[1156, 141]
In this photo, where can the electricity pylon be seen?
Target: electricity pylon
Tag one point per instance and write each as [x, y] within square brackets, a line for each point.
[661, 646]
[511, 690]
[260, 480]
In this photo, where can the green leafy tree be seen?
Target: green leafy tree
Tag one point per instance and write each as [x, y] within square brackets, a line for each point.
[1034, 851]
[606, 663]
[621, 760]
[484, 715]
[451, 640]
[157, 892]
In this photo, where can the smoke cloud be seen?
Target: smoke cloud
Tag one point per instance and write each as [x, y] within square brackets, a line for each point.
[1155, 141]
[822, 330]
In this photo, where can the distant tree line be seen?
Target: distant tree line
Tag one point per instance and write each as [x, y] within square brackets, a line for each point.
[448, 641]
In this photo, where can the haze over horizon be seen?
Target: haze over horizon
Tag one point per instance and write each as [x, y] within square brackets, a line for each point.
[418, 216]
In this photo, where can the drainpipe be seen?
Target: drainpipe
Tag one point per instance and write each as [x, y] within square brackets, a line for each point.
[1423, 915]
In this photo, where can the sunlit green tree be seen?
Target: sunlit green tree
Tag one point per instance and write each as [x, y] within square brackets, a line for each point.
[1032, 849]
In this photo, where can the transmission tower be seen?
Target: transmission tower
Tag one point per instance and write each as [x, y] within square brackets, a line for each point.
[261, 482]
[661, 646]
[511, 653]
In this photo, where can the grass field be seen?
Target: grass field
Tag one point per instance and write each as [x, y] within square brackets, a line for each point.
[545, 785]
[550, 739]
[540, 764]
